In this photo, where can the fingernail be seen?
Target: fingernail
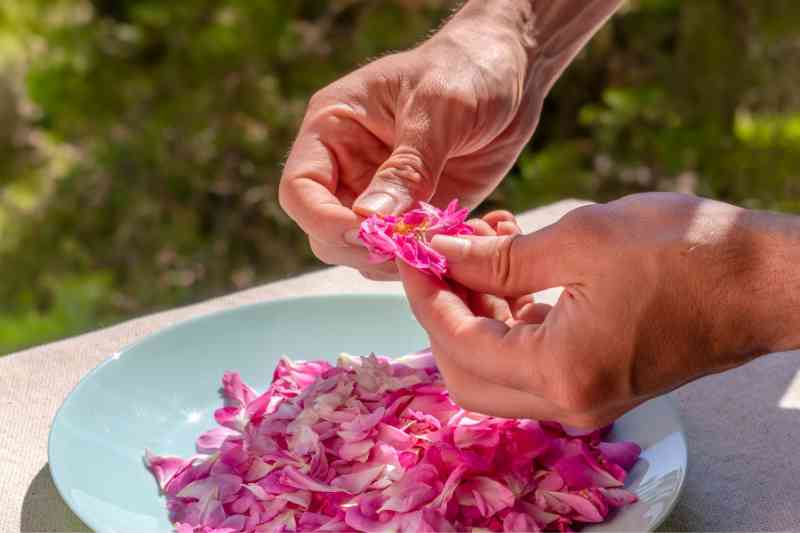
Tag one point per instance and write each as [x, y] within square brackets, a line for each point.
[377, 202]
[351, 237]
[454, 248]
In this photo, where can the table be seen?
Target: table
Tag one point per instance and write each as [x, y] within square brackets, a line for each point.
[743, 426]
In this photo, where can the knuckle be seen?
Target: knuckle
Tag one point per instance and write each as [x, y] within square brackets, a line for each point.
[503, 261]
[588, 223]
[319, 98]
[408, 168]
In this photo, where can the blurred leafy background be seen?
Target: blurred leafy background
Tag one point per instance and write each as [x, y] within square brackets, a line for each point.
[141, 141]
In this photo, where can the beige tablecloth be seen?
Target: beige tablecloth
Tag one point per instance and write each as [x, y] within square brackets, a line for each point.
[743, 427]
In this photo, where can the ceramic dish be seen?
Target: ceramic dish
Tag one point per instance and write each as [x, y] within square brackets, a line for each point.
[161, 393]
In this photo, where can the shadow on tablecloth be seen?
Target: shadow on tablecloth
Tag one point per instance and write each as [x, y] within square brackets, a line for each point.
[44, 510]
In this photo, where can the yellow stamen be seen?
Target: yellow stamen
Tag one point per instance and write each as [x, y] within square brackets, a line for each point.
[404, 229]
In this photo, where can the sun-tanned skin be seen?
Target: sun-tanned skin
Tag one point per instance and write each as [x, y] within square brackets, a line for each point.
[660, 289]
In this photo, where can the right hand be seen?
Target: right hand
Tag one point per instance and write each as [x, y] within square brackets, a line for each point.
[444, 120]
[660, 289]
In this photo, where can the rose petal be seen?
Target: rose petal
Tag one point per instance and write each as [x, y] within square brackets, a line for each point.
[164, 468]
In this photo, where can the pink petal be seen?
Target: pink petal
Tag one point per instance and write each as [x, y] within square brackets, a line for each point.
[394, 437]
[257, 491]
[617, 497]
[488, 495]
[443, 498]
[357, 481]
[235, 522]
[358, 521]
[163, 467]
[283, 522]
[543, 518]
[258, 469]
[422, 360]
[360, 427]
[414, 489]
[235, 389]
[515, 522]
[354, 450]
[406, 237]
[211, 440]
[625, 454]
[586, 511]
[580, 470]
[295, 478]
[219, 487]
[476, 435]
[230, 417]
[550, 481]
[377, 445]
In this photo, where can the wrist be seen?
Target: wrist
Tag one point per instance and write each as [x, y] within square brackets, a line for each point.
[772, 289]
[495, 35]
[549, 33]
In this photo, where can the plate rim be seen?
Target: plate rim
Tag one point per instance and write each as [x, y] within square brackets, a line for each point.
[670, 399]
[395, 297]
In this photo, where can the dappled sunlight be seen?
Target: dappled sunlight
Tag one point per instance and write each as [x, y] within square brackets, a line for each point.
[791, 396]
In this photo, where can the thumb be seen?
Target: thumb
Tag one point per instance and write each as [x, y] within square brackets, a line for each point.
[512, 265]
[411, 172]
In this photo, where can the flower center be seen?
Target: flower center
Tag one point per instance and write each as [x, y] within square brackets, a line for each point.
[402, 228]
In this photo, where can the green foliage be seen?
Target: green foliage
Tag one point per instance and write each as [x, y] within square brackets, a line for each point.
[142, 140]
[75, 306]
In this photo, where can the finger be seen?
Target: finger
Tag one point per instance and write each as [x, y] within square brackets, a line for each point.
[474, 394]
[508, 265]
[481, 346]
[377, 275]
[517, 303]
[489, 306]
[534, 313]
[440, 310]
[307, 192]
[493, 218]
[349, 256]
[412, 171]
[481, 228]
[508, 228]
[480, 396]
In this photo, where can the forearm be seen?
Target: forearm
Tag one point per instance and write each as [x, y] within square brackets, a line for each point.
[550, 32]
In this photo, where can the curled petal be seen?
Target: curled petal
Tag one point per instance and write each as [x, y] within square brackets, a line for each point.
[617, 497]
[236, 390]
[164, 467]
[211, 440]
[624, 454]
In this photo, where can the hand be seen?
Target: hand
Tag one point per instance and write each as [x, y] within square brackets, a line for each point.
[659, 289]
[444, 120]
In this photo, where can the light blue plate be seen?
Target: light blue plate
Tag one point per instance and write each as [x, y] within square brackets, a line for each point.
[161, 394]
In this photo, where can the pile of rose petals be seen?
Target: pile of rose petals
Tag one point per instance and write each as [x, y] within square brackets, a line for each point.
[376, 445]
[407, 237]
